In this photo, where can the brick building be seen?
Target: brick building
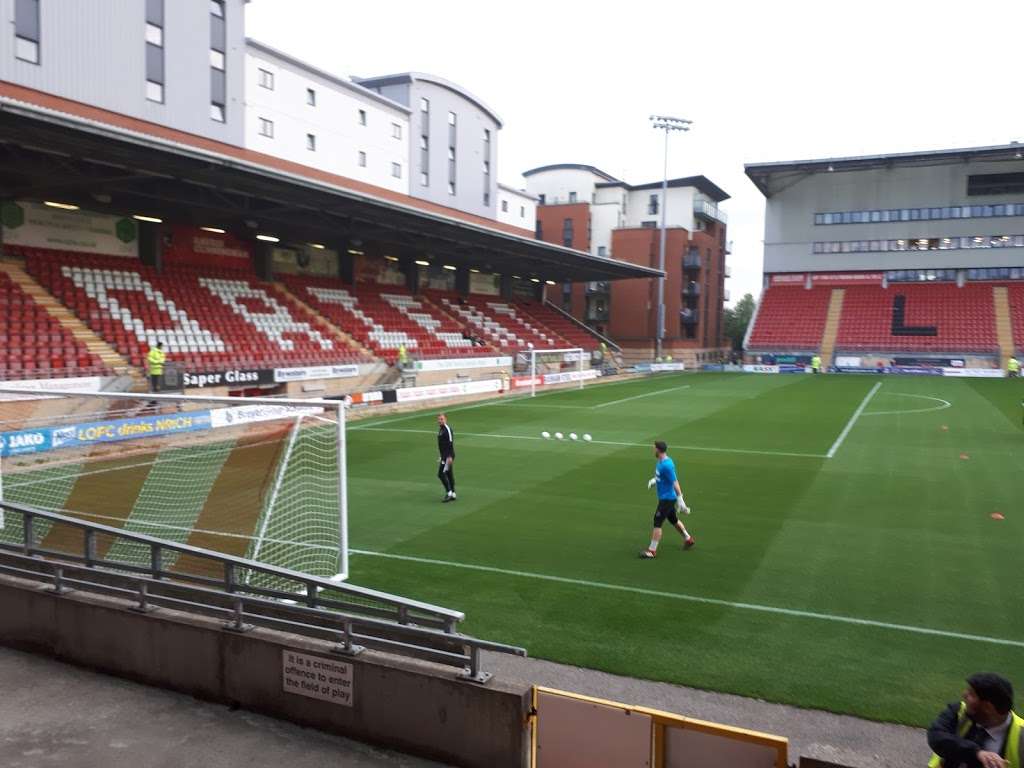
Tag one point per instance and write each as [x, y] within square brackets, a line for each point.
[582, 207]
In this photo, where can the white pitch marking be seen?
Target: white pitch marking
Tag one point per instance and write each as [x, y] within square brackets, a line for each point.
[645, 394]
[610, 442]
[853, 420]
[945, 404]
[704, 600]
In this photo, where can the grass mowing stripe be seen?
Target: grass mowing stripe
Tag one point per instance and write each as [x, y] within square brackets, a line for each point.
[853, 420]
[697, 599]
[609, 442]
[637, 397]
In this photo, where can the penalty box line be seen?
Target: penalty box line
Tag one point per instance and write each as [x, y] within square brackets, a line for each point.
[709, 449]
[770, 609]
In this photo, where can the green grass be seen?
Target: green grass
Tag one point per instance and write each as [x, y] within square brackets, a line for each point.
[894, 529]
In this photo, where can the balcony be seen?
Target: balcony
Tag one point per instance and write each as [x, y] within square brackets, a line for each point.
[728, 271]
[725, 295]
[705, 209]
[598, 286]
[692, 259]
[692, 290]
[688, 317]
[728, 247]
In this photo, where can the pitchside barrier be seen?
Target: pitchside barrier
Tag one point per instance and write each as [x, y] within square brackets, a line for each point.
[262, 479]
[575, 731]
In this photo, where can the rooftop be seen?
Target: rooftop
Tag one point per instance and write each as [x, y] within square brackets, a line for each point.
[762, 174]
[409, 77]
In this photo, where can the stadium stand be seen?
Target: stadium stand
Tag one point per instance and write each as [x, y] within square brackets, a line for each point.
[207, 318]
[937, 318]
[558, 324]
[1016, 295]
[383, 318]
[904, 317]
[32, 343]
[790, 317]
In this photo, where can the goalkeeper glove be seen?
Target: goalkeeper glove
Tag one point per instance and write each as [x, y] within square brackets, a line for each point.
[681, 508]
[651, 482]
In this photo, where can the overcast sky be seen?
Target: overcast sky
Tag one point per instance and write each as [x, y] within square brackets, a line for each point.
[575, 81]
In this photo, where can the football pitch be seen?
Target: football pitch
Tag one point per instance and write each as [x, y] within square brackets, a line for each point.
[847, 556]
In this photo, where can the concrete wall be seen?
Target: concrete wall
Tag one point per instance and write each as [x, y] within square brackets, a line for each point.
[790, 230]
[94, 52]
[558, 185]
[679, 213]
[333, 120]
[407, 705]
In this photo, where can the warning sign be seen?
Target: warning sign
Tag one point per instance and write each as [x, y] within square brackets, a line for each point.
[316, 677]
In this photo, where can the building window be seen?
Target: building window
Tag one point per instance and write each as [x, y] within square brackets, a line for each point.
[218, 49]
[602, 251]
[539, 230]
[451, 187]
[155, 51]
[26, 30]
[504, 206]
[451, 118]
[522, 211]
[652, 205]
[572, 197]
[487, 198]
[311, 97]
[425, 105]
[396, 170]
[362, 159]
[311, 142]
[154, 34]
[266, 128]
[487, 137]
[266, 79]
[362, 117]
[541, 198]
[425, 179]
[567, 233]
[396, 131]
[487, 167]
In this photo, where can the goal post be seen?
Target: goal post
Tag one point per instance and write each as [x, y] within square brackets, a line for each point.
[546, 362]
[259, 478]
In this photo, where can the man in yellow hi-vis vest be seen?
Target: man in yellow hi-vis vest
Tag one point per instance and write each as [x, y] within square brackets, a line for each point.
[816, 364]
[1013, 367]
[981, 730]
[403, 356]
[155, 365]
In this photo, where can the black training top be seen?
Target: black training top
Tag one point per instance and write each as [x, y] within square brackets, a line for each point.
[446, 442]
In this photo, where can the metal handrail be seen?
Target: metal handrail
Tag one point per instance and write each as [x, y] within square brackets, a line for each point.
[316, 607]
[231, 565]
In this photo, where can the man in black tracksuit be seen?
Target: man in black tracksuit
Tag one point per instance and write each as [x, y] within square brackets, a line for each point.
[446, 447]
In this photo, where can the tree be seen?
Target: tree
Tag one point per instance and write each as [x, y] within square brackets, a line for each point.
[737, 319]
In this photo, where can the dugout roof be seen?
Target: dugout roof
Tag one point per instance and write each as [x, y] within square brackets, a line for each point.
[52, 148]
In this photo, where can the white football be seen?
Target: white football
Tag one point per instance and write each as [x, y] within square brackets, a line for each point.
[546, 435]
[558, 435]
[572, 435]
[588, 438]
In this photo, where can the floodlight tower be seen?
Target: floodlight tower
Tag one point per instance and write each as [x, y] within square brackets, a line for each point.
[666, 124]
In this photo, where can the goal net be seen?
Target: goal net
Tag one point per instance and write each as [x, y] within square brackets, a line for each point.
[556, 366]
[262, 479]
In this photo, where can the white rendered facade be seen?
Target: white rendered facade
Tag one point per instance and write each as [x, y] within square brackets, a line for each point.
[317, 120]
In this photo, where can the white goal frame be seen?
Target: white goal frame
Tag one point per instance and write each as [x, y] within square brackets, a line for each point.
[336, 406]
[580, 354]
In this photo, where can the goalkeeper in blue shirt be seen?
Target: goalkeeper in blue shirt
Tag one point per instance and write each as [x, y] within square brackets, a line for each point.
[670, 501]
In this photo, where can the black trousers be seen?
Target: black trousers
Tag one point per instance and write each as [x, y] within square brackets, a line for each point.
[446, 474]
